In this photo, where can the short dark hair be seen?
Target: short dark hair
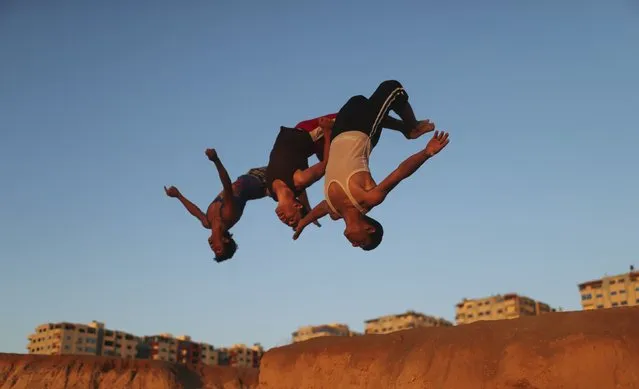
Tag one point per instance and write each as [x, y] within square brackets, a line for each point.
[229, 249]
[376, 237]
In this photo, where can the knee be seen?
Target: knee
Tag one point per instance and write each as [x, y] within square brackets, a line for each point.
[390, 85]
[359, 99]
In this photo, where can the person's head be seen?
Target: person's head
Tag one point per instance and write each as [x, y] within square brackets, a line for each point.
[364, 232]
[222, 244]
[289, 211]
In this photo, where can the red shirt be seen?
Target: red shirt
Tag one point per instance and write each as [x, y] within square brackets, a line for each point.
[312, 127]
[312, 124]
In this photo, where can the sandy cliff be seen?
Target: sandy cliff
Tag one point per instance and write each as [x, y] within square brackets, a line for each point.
[568, 350]
[83, 372]
[585, 350]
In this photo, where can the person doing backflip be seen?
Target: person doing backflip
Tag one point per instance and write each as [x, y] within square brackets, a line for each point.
[349, 189]
[288, 173]
[227, 208]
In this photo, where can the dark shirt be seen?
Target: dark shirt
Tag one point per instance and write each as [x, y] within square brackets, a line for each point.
[290, 153]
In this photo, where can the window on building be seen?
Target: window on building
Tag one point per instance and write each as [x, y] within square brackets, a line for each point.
[613, 293]
[624, 303]
[599, 306]
[599, 295]
[586, 296]
[622, 291]
[612, 282]
[614, 304]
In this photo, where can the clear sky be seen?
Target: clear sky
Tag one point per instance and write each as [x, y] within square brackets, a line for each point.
[104, 103]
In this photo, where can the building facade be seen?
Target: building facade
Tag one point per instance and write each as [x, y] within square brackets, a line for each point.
[611, 291]
[409, 319]
[316, 331]
[209, 354]
[82, 339]
[498, 307]
[95, 339]
[163, 347]
[240, 355]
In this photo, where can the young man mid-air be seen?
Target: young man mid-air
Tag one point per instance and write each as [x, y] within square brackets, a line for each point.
[288, 173]
[227, 208]
[349, 189]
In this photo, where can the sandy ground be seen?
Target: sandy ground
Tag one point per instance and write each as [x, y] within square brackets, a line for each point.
[568, 350]
[18, 371]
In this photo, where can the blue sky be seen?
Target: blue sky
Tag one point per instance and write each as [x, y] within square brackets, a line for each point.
[102, 104]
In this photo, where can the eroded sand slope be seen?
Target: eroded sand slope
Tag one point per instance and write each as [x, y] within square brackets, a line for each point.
[568, 350]
[85, 372]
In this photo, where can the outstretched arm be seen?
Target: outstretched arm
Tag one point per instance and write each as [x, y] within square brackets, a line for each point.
[318, 212]
[192, 208]
[307, 177]
[377, 195]
[224, 176]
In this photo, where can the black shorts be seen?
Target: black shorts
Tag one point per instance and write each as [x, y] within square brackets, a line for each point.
[367, 114]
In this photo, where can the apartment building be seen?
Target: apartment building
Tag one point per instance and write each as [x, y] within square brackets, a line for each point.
[82, 339]
[95, 339]
[210, 355]
[409, 319]
[498, 307]
[179, 349]
[611, 291]
[240, 355]
[316, 331]
[163, 347]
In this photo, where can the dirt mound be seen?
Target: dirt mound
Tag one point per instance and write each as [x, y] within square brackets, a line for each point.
[586, 350]
[74, 372]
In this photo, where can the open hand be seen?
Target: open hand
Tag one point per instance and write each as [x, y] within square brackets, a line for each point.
[212, 154]
[172, 191]
[437, 142]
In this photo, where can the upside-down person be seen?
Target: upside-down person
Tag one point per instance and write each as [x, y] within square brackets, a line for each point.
[227, 208]
[349, 189]
[288, 173]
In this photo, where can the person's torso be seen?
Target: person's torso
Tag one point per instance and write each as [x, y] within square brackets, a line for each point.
[247, 187]
[348, 157]
[290, 153]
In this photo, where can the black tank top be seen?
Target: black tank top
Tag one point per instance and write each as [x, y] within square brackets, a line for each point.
[290, 153]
